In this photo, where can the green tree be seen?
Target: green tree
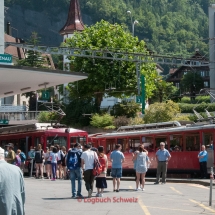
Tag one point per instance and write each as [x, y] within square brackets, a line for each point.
[192, 82]
[164, 90]
[104, 75]
[33, 58]
[128, 109]
[161, 112]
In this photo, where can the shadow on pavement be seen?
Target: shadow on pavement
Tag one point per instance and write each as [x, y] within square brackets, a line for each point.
[56, 198]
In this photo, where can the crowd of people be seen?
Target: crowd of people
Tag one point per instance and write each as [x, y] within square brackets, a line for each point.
[79, 161]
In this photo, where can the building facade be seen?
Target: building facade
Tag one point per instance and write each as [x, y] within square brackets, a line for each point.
[176, 75]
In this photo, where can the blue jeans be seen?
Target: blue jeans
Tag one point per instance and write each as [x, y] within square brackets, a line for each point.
[76, 173]
[54, 168]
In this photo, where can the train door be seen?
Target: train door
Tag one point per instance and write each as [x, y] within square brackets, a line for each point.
[208, 141]
[24, 143]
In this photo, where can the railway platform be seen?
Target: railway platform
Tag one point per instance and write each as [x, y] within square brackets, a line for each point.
[54, 197]
[204, 182]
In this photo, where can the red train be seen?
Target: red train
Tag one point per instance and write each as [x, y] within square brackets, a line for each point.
[183, 139]
[24, 136]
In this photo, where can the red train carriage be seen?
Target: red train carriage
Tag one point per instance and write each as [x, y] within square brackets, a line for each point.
[24, 136]
[183, 140]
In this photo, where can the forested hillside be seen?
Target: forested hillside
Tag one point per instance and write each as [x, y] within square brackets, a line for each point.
[173, 26]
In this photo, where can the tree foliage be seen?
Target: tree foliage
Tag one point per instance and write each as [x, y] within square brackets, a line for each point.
[45, 117]
[33, 58]
[102, 121]
[161, 112]
[75, 112]
[175, 26]
[104, 75]
[192, 82]
[163, 91]
[128, 109]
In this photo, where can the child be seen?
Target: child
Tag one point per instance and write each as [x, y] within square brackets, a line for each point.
[54, 158]
[101, 179]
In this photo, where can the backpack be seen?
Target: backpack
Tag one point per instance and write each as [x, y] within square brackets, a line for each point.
[22, 156]
[17, 160]
[38, 157]
[97, 167]
[73, 160]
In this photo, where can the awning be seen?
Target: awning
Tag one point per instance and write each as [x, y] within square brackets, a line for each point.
[17, 80]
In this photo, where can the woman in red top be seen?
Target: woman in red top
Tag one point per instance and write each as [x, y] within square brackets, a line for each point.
[101, 182]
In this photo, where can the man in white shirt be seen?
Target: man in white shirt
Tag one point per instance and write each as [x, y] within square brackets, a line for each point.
[87, 159]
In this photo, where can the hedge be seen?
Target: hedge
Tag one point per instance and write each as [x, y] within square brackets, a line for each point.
[199, 99]
[188, 108]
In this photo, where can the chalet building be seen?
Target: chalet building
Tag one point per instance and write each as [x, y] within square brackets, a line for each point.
[176, 75]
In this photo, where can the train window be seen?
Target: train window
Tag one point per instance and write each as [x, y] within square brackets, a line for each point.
[81, 140]
[110, 145]
[124, 144]
[36, 141]
[176, 143]
[3, 143]
[158, 140]
[207, 139]
[193, 142]
[148, 143]
[134, 143]
[22, 145]
[53, 140]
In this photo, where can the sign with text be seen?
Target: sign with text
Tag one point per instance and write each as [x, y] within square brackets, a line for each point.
[4, 122]
[138, 99]
[5, 59]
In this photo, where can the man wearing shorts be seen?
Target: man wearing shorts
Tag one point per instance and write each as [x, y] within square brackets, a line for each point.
[117, 158]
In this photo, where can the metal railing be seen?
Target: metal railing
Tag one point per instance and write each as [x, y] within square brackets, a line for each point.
[20, 115]
[12, 108]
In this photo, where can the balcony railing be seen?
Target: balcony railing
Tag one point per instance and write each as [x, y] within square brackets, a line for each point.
[20, 115]
[12, 108]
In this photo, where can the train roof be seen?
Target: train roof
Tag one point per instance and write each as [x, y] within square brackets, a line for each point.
[38, 127]
[161, 130]
[154, 126]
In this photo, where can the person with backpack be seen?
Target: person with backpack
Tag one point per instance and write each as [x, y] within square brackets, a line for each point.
[23, 159]
[101, 182]
[87, 159]
[39, 155]
[73, 161]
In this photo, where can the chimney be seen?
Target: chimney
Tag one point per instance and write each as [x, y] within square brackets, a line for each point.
[8, 29]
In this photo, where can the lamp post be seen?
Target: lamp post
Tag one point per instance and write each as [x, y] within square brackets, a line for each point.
[133, 23]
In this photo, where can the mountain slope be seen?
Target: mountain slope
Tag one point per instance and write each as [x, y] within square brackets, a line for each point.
[173, 26]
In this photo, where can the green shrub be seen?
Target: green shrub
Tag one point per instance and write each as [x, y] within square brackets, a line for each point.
[128, 109]
[186, 100]
[188, 108]
[198, 100]
[46, 116]
[121, 121]
[102, 121]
